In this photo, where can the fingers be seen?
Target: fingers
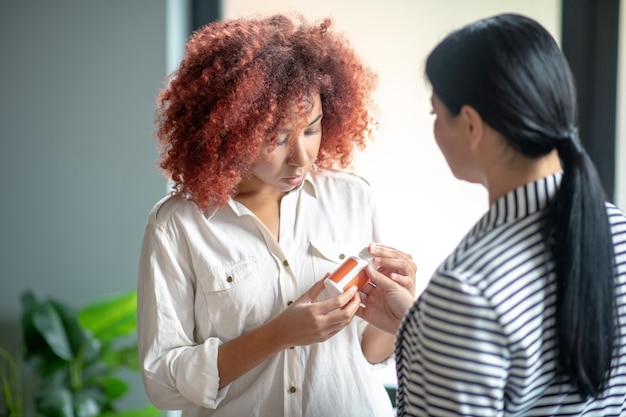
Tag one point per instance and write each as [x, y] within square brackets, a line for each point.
[395, 264]
[381, 281]
[402, 279]
[343, 301]
[344, 314]
[393, 259]
[324, 307]
[385, 251]
[338, 311]
[343, 306]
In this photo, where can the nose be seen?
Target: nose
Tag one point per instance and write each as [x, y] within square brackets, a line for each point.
[299, 156]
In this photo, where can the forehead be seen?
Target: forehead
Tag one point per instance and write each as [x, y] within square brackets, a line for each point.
[307, 110]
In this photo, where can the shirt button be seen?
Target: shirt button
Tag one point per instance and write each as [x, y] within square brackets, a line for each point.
[292, 389]
[289, 303]
[342, 256]
[286, 262]
[229, 279]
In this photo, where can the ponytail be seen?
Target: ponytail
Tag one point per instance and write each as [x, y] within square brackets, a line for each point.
[584, 257]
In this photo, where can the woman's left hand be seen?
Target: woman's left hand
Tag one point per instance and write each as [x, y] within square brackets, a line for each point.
[386, 303]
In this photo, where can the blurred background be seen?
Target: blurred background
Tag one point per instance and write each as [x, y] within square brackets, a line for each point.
[78, 81]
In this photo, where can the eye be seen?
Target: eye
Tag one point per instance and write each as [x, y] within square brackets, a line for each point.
[281, 139]
[311, 132]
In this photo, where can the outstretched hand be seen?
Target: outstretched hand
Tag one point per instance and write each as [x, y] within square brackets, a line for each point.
[307, 321]
[392, 289]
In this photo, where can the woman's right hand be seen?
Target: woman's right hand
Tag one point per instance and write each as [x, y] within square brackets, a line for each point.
[304, 322]
[307, 321]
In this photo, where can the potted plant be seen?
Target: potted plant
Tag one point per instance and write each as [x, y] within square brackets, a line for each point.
[74, 358]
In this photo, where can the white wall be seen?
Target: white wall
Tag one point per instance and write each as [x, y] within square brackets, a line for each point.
[425, 209]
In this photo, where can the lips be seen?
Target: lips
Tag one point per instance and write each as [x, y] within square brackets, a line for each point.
[295, 181]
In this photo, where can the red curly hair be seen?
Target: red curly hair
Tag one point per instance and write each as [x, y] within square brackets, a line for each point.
[238, 80]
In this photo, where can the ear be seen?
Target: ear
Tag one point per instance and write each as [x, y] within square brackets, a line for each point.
[474, 125]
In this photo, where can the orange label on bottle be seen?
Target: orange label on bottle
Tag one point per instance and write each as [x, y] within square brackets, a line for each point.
[360, 279]
[343, 270]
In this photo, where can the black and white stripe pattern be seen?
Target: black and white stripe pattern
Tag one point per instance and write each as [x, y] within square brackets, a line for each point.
[481, 339]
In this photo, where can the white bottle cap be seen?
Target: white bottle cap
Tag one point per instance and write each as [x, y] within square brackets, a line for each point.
[365, 254]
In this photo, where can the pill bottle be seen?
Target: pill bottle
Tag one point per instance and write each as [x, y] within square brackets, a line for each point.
[351, 272]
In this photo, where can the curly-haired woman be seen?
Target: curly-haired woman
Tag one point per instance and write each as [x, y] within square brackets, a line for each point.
[255, 127]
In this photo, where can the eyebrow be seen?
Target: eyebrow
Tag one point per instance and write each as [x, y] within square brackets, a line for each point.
[310, 124]
[316, 119]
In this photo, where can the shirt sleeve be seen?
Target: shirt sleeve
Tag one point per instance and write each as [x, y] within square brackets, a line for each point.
[454, 357]
[176, 370]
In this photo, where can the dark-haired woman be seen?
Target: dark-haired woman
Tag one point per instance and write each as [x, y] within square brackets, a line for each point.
[527, 316]
[232, 316]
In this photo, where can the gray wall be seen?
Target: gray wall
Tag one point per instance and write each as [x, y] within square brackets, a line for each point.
[78, 80]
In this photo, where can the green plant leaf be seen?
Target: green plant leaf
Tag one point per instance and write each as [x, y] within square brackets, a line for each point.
[82, 341]
[55, 401]
[11, 383]
[75, 355]
[111, 317]
[49, 324]
[37, 352]
[114, 387]
[90, 402]
[126, 356]
[149, 411]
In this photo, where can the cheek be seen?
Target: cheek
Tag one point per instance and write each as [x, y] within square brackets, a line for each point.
[445, 142]
[313, 147]
[439, 134]
[264, 166]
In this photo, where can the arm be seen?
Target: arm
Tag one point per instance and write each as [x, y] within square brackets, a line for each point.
[455, 354]
[304, 322]
[377, 345]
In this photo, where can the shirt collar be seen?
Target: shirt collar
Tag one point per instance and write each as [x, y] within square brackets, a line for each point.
[520, 202]
[308, 186]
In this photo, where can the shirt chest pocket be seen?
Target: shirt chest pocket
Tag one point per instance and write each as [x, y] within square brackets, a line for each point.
[238, 297]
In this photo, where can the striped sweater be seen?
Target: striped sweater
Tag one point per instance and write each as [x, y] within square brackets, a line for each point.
[481, 339]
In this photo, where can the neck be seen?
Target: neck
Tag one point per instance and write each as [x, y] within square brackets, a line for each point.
[518, 170]
[252, 189]
[264, 202]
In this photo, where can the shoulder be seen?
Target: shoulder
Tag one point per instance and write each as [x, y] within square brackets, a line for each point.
[617, 223]
[615, 214]
[171, 208]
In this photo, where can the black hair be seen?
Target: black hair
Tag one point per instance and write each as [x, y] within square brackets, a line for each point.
[512, 72]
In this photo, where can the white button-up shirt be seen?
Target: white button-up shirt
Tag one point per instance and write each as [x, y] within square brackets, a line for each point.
[208, 277]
